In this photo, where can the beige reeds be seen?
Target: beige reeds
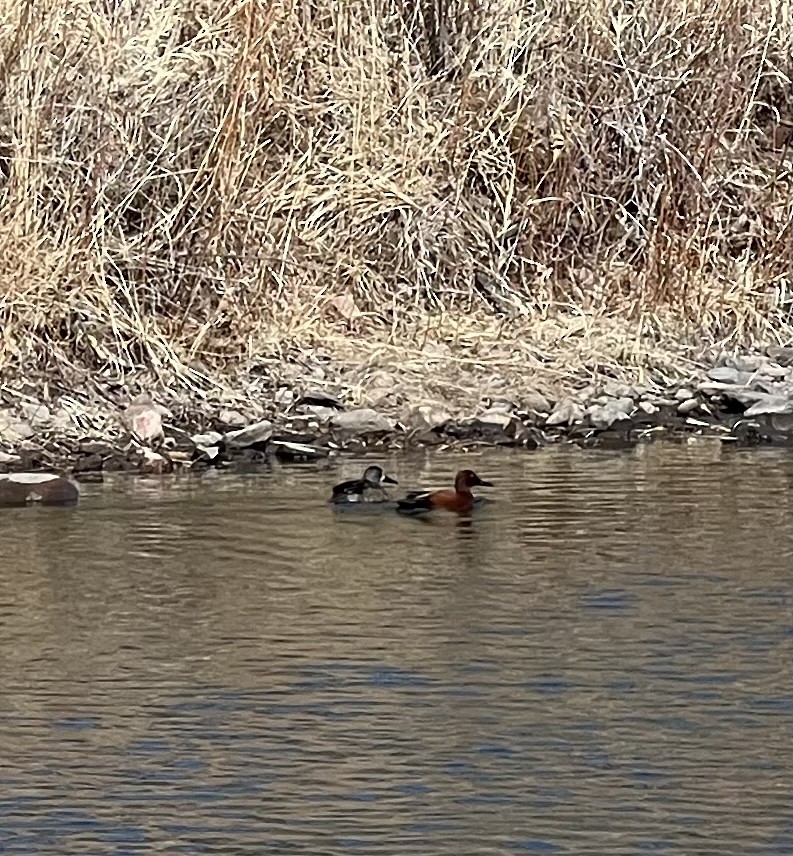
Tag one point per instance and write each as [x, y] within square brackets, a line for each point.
[185, 181]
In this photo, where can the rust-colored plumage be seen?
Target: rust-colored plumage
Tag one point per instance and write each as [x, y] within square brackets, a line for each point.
[459, 501]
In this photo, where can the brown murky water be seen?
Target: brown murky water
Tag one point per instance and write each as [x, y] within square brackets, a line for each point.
[598, 663]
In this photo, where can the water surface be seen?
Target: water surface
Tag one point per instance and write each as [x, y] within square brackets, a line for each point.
[598, 662]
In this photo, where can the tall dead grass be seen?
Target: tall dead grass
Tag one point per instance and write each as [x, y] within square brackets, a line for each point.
[189, 180]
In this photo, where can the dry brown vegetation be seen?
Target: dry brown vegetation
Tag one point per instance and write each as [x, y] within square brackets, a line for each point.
[196, 182]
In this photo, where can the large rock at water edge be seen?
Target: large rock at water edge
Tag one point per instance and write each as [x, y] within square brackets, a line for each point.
[42, 488]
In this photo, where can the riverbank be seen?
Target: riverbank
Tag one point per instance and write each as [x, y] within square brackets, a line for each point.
[354, 396]
[285, 213]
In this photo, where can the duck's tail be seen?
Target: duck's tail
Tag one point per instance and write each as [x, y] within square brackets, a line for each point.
[416, 501]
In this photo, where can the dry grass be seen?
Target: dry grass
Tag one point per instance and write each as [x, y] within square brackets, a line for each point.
[200, 181]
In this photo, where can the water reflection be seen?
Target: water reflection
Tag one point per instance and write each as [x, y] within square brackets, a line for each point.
[597, 662]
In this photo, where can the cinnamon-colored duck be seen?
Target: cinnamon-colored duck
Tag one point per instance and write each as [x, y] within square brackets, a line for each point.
[460, 500]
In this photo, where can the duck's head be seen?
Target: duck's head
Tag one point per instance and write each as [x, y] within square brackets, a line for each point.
[375, 477]
[469, 479]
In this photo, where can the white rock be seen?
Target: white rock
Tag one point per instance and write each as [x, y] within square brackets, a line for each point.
[210, 438]
[687, 406]
[29, 478]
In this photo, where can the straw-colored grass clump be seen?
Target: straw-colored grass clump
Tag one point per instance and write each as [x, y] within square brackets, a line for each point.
[187, 180]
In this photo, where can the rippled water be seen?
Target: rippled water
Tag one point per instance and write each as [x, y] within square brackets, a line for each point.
[599, 662]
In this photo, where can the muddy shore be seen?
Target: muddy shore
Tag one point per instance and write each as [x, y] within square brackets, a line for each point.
[92, 426]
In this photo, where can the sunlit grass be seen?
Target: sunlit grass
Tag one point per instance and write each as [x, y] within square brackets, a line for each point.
[185, 181]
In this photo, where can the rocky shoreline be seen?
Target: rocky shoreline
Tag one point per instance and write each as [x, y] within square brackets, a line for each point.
[90, 429]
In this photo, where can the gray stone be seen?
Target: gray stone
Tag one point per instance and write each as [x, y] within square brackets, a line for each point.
[647, 407]
[429, 416]
[770, 404]
[13, 429]
[605, 415]
[320, 414]
[494, 417]
[62, 420]
[284, 396]
[361, 421]
[232, 418]
[783, 356]
[727, 374]
[773, 370]
[748, 363]
[782, 422]
[259, 432]
[566, 412]
[38, 415]
[618, 389]
[687, 406]
[152, 462]
[536, 401]
[683, 394]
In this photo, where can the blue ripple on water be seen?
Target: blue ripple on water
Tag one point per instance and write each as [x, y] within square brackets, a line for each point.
[76, 723]
[609, 599]
[536, 845]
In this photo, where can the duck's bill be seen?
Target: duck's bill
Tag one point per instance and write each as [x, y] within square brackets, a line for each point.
[389, 480]
[484, 483]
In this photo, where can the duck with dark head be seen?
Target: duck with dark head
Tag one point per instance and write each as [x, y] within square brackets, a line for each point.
[459, 500]
[368, 488]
